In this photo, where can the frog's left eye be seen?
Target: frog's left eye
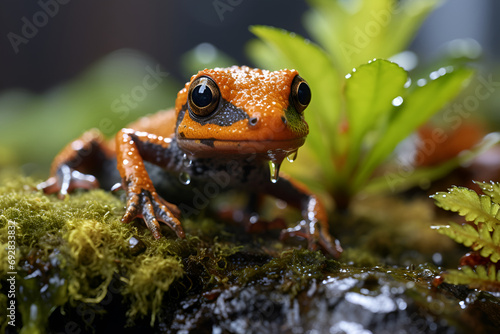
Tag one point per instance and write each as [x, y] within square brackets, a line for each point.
[300, 93]
[203, 96]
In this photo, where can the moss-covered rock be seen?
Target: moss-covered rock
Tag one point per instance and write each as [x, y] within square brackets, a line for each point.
[68, 251]
[78, 268]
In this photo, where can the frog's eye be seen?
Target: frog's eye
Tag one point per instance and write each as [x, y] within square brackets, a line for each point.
[300, 94]
[203, 96]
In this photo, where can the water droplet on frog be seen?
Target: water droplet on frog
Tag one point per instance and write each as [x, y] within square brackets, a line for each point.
[117, 186]
[292, 156]
[186, 162]
[274, 169]
[184, 178]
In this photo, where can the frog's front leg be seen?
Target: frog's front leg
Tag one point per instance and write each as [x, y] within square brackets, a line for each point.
[314, 226]
[132, 149]
[77, 163]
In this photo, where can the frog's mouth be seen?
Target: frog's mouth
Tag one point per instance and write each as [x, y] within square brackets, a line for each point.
[211, 147]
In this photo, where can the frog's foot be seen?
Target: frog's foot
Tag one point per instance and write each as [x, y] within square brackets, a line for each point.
[153, 209]
[311, 231]
[66, 180]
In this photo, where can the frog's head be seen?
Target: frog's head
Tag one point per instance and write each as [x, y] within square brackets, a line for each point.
[241, 111]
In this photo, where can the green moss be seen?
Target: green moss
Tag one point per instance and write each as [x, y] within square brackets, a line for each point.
[76, 253]
[149, 280]
[70, 250]
[360, 257]
[76, 250]
[92, 248]
[36, 215]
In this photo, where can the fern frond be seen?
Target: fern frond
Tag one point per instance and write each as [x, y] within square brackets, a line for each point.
[481, 239]
[463, 234]
[489, 242]
[466, 202]
[480, 278]
[491, 189]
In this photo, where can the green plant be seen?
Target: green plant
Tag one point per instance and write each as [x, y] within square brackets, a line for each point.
[358, 116]
[481, 233]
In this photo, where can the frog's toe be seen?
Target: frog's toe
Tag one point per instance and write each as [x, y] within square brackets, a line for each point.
[132, 209]
[152, 209]
[73, 179]
[300, 230]
[311, 231]
[168, 214]
[49, 186]
[149, 215]
[174, 209]
[67, 180]
[331, 247]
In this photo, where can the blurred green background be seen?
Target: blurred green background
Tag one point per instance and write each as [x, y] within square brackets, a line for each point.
[67, 66]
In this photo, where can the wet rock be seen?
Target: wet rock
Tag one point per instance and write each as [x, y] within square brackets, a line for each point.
[355, 301]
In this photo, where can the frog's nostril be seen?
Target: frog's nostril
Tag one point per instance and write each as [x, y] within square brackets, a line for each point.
[252, 121]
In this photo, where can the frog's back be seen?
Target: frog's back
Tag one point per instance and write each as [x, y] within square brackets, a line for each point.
[161, 123]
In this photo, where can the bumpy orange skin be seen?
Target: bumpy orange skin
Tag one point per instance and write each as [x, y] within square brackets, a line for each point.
[268, 126]
[263, 95]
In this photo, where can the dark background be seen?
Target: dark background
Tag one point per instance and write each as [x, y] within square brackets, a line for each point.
[84, 31]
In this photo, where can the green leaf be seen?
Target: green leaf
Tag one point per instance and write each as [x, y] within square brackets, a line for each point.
[467, 203]
[479, 240]
[369, 92]
[464, 234]
[491, 189]
[354, 32]
[418, 106]
[316, 68]
[263, 55]
[489, 243]
[481, 278]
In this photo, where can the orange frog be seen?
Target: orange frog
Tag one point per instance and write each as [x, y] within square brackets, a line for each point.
[230, 130]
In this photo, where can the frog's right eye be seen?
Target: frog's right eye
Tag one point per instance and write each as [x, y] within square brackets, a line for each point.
[300, 94]
[203, 96]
